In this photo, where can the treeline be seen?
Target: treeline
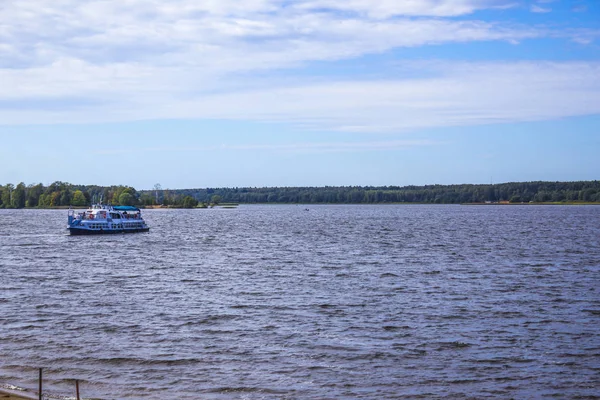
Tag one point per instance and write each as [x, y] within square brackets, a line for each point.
[65, 194]
[61, 194]
[519, 192]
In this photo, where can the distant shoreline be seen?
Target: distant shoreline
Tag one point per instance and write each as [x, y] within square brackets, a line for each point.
[547, 203]
[61, 195]
[158, 207]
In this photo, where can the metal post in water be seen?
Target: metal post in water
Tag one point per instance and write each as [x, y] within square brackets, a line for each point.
[77, 388]
[40, 385]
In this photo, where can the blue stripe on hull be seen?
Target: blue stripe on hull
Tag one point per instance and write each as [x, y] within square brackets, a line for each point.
[79, 231]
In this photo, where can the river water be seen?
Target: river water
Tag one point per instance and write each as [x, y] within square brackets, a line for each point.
[307, 302]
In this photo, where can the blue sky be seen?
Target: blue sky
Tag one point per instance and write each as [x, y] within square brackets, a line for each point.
[299, 93]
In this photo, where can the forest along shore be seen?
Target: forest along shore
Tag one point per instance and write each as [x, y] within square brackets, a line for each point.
[60, 194]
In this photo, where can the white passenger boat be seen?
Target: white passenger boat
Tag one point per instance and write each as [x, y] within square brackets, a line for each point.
[103, 219]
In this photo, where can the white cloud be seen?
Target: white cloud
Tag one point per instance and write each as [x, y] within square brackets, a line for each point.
[460, 94]
[453, 95]
[328, 147]
[540, 10]
[218, 33]
[390, 8]
[96, 61]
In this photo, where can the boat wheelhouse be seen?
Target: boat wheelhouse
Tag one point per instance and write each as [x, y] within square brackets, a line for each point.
[103, 219]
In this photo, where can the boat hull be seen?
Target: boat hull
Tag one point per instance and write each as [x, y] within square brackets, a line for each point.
[83, 231]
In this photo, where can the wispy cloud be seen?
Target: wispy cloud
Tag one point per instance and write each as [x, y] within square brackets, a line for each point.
[289, 147]
[387, 8]
[537, 9]
[185, 59]
[453, 94]
[255, 36]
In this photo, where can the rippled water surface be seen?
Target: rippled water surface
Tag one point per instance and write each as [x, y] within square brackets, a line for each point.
[328, 303]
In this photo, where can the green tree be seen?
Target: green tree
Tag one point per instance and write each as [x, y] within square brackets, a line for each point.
[515, 199]
[78, 198]
[33, 195]
[166, 197]
[43, 200]
[65, 197]
[490, 194]
[126, 199]
[189, 202]
[113, 197]
[558, 196]
[54, 199]
[588, 194]
[7, 195]
[147, 199]
[216, 199]
[18, 196]
[542, 196]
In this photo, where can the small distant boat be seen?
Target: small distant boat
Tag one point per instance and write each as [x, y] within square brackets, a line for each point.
[103, 219]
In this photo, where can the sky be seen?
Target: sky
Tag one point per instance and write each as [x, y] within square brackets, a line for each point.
[255, 93]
